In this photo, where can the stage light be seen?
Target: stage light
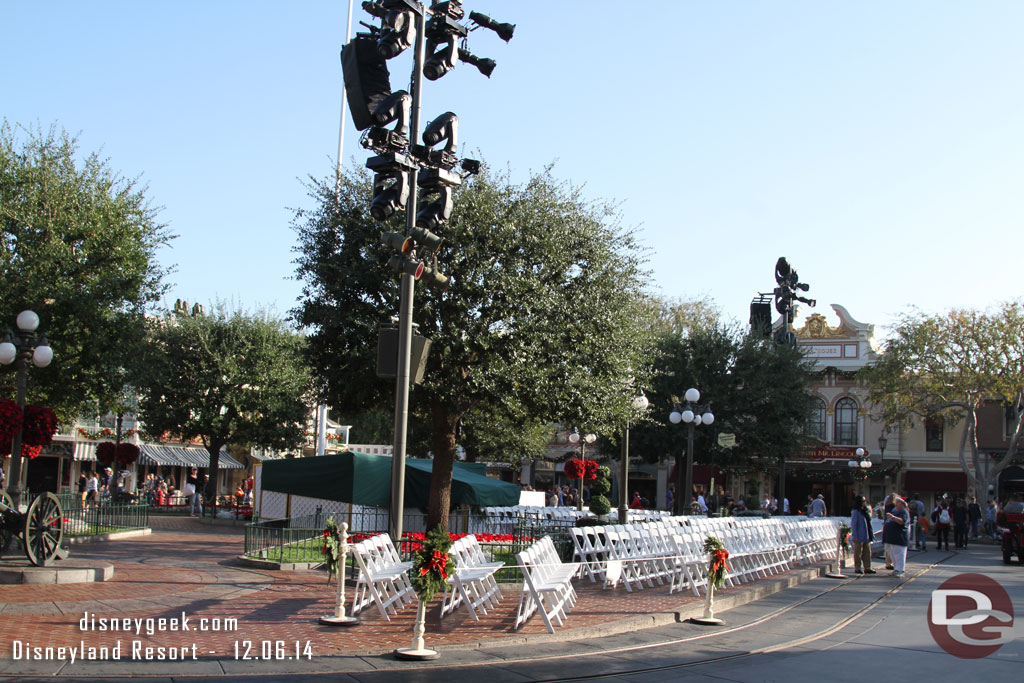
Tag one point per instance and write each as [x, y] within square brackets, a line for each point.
[442, 32]
[504, 31]
[427, 239]
[406, 265]
[470, 167]
[434, 278]
[444, 127]
[399, 27]
[484, 64]
[390, 184]
[398, 242]
[436, 203]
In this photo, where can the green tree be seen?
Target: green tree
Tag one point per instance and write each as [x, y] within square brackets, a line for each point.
[757, 390]
[225, 378]
[543, 319]
[949, 366]
[77, 245]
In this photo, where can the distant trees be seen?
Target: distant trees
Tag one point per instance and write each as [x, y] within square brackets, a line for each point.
[948, 366]
[225, 377]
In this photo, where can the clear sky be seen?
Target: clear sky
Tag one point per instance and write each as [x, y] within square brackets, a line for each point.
[879, 145]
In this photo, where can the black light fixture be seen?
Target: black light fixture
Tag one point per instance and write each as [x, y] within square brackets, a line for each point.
[390, 184]
[434, 278]
[484, 64]
[406, 265]
[398, 25]
[398, 242]
[470, 167]
[503, 30]
[443, 31]
[427, 239]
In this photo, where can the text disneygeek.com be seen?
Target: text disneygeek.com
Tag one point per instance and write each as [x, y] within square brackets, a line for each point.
[142, 650]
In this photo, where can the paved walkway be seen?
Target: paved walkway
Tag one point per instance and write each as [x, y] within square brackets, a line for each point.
[186, 568]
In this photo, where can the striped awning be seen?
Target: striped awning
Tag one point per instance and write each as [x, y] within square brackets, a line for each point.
[162, 454]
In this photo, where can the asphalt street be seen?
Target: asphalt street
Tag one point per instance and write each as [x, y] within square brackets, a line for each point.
[861, 628]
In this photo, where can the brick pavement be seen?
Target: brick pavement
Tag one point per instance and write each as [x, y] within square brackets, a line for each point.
[188, 567]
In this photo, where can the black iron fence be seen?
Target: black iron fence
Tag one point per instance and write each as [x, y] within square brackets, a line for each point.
[103, 519]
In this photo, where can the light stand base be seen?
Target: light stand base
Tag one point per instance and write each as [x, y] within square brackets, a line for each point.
[836, 575]
[707, 621]
[339, 621]
[408, 653]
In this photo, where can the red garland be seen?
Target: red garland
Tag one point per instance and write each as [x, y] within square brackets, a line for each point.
[126, 453]
[720, 560]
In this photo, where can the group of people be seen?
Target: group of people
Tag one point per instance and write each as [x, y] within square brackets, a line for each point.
[565, 496]
[94, 488]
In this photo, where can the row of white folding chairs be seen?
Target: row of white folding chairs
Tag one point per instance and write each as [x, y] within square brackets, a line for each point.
[383, 577]
[547, 585]
[472, 583]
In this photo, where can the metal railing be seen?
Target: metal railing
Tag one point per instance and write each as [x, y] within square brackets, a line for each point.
[103, 519]
[300, 539]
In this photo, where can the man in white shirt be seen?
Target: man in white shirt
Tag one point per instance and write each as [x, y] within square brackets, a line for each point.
[701, 504]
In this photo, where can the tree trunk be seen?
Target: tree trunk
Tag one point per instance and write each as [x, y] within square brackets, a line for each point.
[214, 450]
[444, 462]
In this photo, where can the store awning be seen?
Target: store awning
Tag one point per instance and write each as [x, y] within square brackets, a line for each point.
[183, 456]
[922, 480]
[363, 479]
[85, 450]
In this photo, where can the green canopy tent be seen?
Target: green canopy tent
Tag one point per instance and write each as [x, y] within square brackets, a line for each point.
[366, 480]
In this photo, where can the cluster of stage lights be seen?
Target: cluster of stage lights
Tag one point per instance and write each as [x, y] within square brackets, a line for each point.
[374, 106]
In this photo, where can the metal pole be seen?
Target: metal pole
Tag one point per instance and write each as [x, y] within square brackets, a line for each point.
[689, 466]
[397, 509]
[14, 487]
[782, 486]
[341, 125]
[680, 481]
[624, 479]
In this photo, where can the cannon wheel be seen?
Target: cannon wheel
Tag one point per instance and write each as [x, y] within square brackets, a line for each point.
[44, 529]
[5, 534]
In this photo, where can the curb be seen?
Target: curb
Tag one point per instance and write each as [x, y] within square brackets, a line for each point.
[111, 536]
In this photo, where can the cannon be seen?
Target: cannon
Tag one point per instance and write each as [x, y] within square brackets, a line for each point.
[40, 529]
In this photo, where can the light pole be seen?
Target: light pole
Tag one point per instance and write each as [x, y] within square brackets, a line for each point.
[640, 404]
[20, 349]
[693, 415]
[574, 438]
[862, 461]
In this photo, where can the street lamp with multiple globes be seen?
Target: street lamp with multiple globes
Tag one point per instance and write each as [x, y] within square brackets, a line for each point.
[693, 415]
[574, 438]
[640, 404]
[22, 348]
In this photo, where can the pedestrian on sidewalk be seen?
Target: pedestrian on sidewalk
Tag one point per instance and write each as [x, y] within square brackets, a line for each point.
[960, 523]
[860, 534]
[193, 493]
[974, 517]
[942, 520]
[894, 535]
[818, 507]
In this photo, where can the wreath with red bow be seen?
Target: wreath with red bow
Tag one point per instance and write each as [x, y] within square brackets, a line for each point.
[581, 469]
[332, 548]
[432, 565]
[717, 565]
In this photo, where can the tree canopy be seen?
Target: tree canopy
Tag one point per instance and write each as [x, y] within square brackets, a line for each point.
[225, 377]
[758, 391]
[544, 319]
[78, 246]
[949, 365]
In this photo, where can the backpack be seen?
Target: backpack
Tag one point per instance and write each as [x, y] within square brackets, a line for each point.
[944, 516]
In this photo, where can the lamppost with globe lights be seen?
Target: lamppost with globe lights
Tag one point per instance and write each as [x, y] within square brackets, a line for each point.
[574, 438]
[861, 462]
[692, 414]
[21, 349]
[640, 404]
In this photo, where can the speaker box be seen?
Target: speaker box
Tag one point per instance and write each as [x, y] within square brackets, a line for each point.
[761, 318]
[387, 354]
[367, 81]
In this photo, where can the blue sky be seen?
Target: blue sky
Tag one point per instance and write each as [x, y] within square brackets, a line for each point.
[879, 145]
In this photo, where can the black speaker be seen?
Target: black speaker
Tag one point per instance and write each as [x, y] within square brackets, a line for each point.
[387, 354]
[367, 81]
[761, 318]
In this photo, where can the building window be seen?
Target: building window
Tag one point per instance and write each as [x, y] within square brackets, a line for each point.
[933, 434]
[846, 422]
[816, 421]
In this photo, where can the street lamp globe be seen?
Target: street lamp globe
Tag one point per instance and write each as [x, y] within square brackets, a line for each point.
[707, 418]
[641, 403]
[675, 417]
[590, 438]
[574, 437]
[27, 321]
[852, 463]
[42, 356]
[688, 415]
[8, 352]
[692, 395]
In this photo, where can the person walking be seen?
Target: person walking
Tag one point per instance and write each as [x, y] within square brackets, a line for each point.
[894, 535]
[92, 488]
[918, 522]
[974, 517]
[990, 519]
[960, 523]
[83, 484]
[860, 534]
[193, 493]
[942, 520]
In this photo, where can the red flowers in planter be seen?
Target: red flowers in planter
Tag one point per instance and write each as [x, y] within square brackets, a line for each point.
[124, 454]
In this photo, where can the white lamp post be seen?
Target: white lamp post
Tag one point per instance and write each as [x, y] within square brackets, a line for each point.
[640, 404]
[21, 349]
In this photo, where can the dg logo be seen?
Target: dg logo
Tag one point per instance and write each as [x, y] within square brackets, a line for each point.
[970, 616]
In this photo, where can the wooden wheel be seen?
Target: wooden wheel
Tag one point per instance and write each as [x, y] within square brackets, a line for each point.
[44, 529]
[7, 512]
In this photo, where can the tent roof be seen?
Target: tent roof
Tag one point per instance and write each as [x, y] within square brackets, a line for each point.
[363, 479]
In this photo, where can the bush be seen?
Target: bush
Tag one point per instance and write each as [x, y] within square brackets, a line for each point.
[600, 505]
